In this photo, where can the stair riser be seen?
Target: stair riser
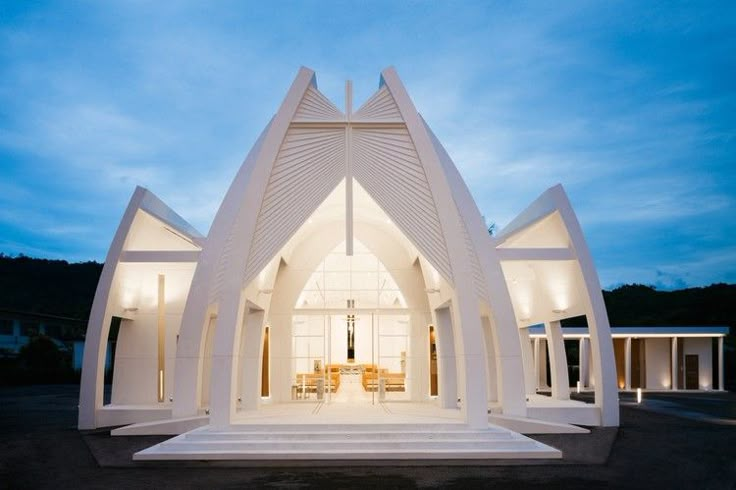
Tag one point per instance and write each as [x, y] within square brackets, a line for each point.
[345, 428]
[287, 457]
[326, 437]
[311, 447]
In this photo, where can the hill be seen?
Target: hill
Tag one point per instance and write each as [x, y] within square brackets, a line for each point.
[53, 287]
[61, 288]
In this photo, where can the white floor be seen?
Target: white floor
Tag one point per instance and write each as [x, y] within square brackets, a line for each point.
[351, 404]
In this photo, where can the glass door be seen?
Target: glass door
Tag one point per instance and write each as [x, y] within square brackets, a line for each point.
[310, 338]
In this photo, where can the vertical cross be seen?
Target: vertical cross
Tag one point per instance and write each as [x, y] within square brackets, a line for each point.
[348, 170]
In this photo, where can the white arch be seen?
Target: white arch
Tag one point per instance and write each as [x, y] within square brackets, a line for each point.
[149, 232]
[551, 225]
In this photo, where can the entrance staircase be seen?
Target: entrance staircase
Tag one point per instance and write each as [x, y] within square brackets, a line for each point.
[334, 442]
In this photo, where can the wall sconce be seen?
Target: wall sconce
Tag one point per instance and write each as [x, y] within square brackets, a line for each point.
[558, 311]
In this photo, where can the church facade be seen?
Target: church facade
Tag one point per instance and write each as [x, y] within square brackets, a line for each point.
[348, 278]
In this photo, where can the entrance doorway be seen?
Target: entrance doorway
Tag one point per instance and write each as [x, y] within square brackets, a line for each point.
[353, 355]
[692, 372]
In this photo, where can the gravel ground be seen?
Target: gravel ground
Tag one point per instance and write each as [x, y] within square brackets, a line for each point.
[683, 440]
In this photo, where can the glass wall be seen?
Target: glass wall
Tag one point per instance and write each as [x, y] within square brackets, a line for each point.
[347, 345]
[358, 281]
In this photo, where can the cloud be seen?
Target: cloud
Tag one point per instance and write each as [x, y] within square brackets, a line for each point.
[629, 107]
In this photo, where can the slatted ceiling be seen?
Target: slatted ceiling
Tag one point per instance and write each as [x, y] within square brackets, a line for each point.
[478, 278]
[309, 165]
[316, 107]
[379, 107]
[386, 164]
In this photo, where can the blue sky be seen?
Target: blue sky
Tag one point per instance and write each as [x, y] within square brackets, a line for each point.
[630, 105]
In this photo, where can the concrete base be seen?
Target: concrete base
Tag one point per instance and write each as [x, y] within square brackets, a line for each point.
[532, 426]
[112, 415]
[545, 408]
[172, 427]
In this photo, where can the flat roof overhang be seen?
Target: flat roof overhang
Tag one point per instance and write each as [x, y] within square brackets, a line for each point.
[640, 331]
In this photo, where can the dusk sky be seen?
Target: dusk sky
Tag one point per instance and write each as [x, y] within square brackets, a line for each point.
[630, 105]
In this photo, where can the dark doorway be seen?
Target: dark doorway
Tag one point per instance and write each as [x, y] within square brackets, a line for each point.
[692, 373]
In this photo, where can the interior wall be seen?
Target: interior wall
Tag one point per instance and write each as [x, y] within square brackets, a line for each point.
[135, 377]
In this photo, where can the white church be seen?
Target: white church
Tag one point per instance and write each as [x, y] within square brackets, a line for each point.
[348, 302]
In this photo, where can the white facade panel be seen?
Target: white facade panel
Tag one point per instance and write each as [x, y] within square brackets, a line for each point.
[658, 366]
[386, 164]
[310, 164]
[316, 107]
[379, 107]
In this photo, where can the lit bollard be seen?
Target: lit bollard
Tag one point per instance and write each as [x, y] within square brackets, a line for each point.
[578, 387]
[638, 395]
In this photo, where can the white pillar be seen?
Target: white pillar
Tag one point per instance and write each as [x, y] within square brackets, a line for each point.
[538, 363]
[583, 348]
[673, 369]
[250, 363]
[527, 357]
[543, 363]
[557, 361]
[491, 356]
[627, 364]
[446, 360]
[721, 381]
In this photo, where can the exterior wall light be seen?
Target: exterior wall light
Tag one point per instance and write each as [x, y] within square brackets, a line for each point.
[638, 395]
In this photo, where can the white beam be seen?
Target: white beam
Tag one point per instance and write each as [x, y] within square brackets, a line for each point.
[536, 253]
[348, 171]
[160, 256]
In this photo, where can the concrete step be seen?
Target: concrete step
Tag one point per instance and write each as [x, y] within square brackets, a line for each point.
[404, 441]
